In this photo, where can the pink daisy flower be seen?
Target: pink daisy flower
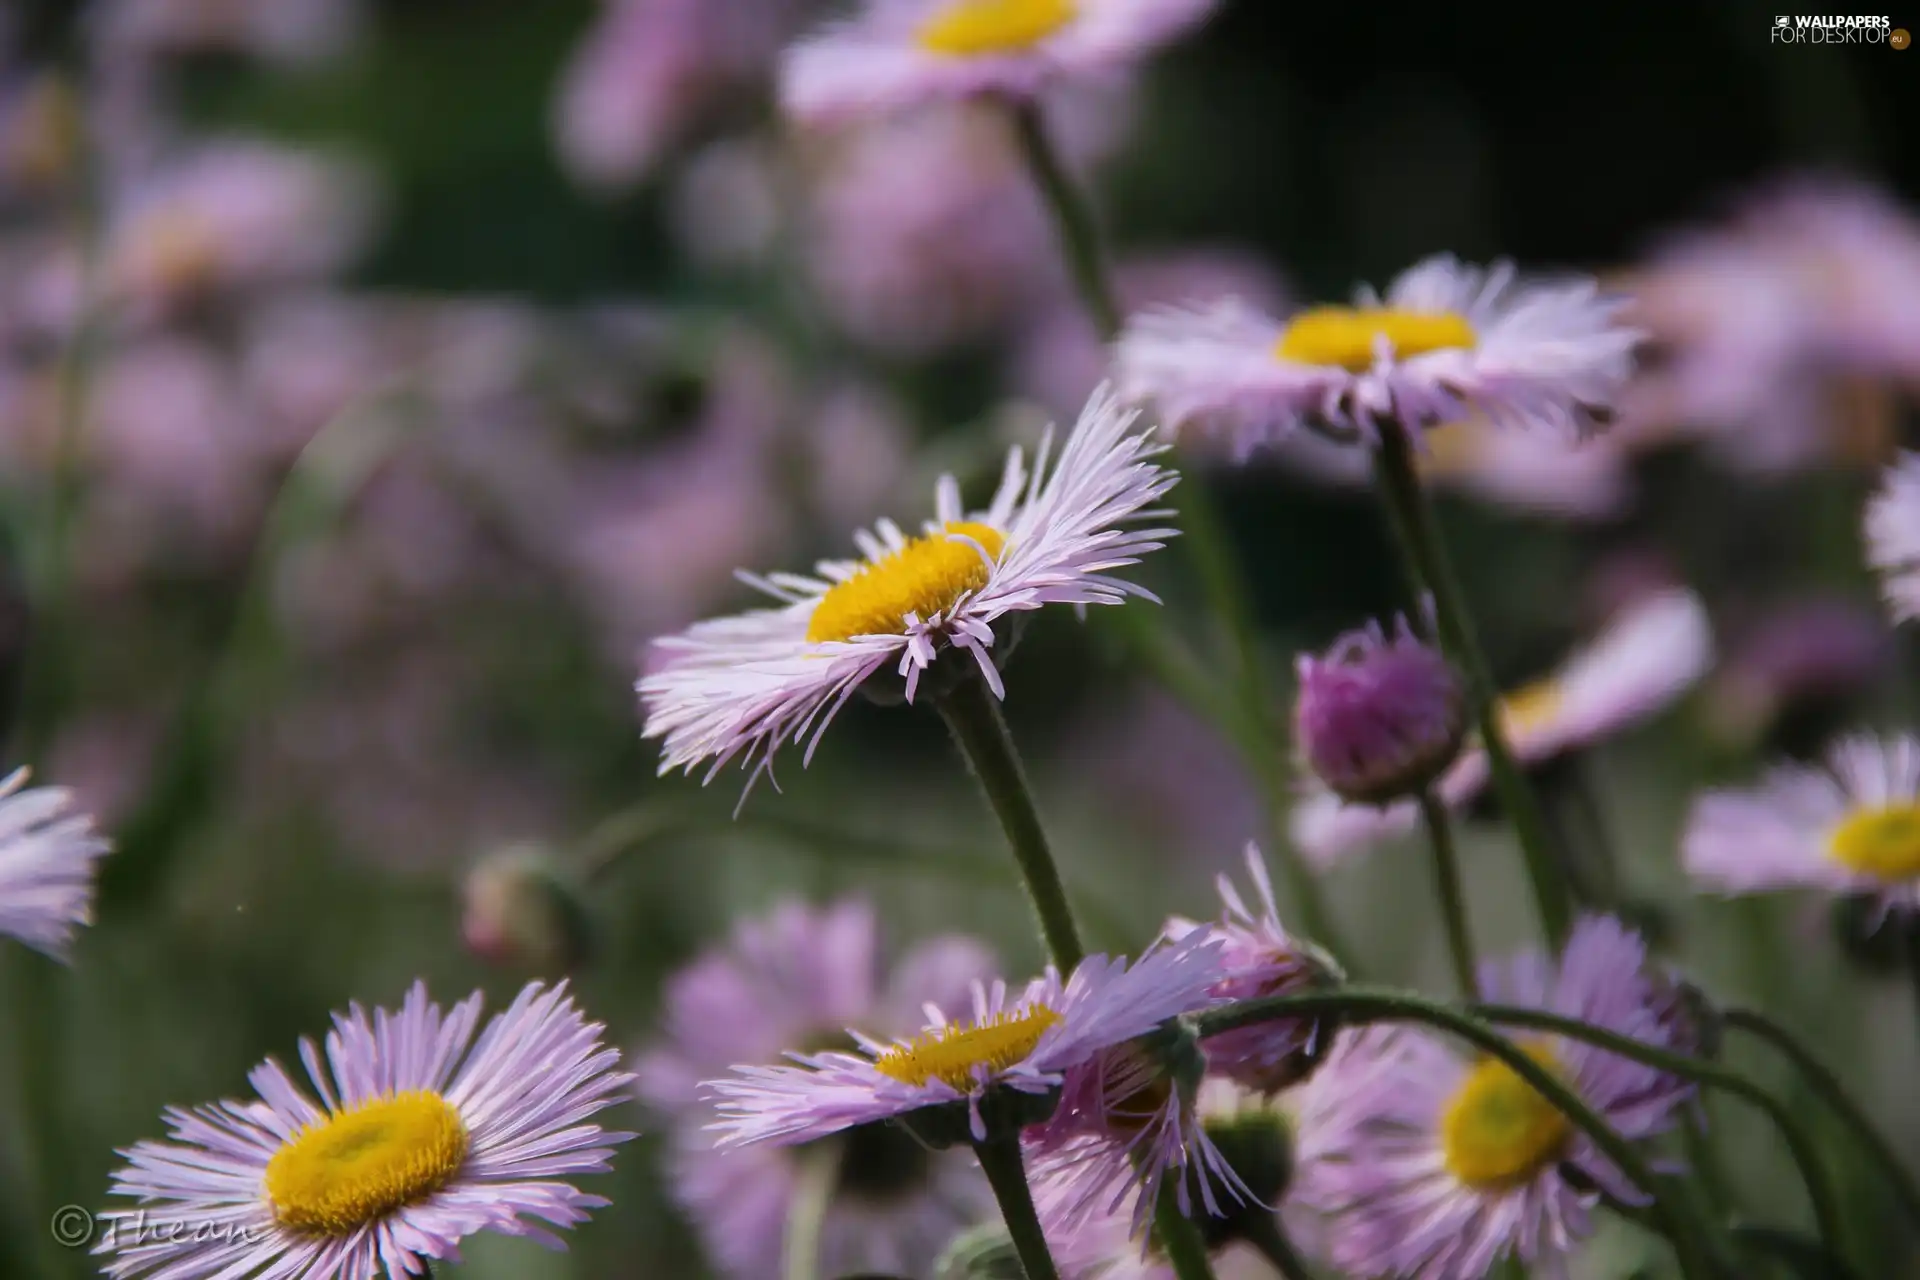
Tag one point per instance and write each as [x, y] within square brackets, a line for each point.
[798, 976]
[420, 1136]
[1448, 340]
[1433, 1166]
[1015, 1044]
[1849, 826]
[902, 53]
[47, 861]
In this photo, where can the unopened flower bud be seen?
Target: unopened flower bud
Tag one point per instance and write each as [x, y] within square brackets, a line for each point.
[1379, 718]
[518, 909]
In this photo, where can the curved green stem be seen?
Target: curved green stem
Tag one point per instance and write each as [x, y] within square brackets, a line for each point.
[1834, 1094]
[1453, 902]
[1691, 1241]
[973, 717]
[1007, 1175]
[1806, 1156]
[1430, 567]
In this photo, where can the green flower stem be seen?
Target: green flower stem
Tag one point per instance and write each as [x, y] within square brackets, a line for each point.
[1453, 902]
[1073, 215]
[1826, 1211]
[1186, 1250]
[1007, 1175]
[1428, 564]
[973, 717]
[814, 1184]
[1834, 1094]
[1690, 1239]
[1205, 538]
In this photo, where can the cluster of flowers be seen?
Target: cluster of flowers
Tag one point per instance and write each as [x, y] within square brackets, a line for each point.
[1119, 1101]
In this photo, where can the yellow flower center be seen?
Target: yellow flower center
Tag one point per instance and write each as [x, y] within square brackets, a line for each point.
[1498, 1131]
[970, 28]
[1531, 707]
[1883, 842]
[951, 1053]
[365, 1162]
[1344, 336]
[924, 577]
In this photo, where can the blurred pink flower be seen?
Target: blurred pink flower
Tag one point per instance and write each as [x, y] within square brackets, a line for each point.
[1813, 648]
[648, 71]
[1767, 327]
[925, 232]
[230, 216]
[726, 204]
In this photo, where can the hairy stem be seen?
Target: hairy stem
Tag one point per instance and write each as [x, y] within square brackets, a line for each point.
[1007, 1175]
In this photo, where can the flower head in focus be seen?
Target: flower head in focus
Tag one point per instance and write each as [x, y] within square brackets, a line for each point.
[1006, 1063]
[798, 976]
[1645, 659]
[1434, 1165]
[897, 54]
[47, 860]
[750, 683]
[1446, 341]
[1850, 825]
[421, 1135]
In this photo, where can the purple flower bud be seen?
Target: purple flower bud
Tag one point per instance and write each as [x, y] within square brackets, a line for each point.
[1377, 718]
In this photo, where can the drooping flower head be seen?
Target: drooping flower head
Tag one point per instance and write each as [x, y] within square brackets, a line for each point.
[748, 684]
[1645, 659]
[1435, 1166]
[1260, 959]
[420, 1136]
[1253, 1132]
[1016, 1046]
[1128, 1120]
[1377, 719]
[47, 858]
[1849, 826]
[798, 976]
[897, 54]
[1447, 341]
[1893, 537]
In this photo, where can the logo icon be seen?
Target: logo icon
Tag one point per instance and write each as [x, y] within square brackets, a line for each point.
[1899, 38]
[1781, 20]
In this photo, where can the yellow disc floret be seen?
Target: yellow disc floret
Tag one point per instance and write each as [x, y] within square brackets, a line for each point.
[1345, 336]
[925, 577]
[366, 1161]
[1497, 1130]
[953, 1053]
[974, 28]
[1883, 842]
